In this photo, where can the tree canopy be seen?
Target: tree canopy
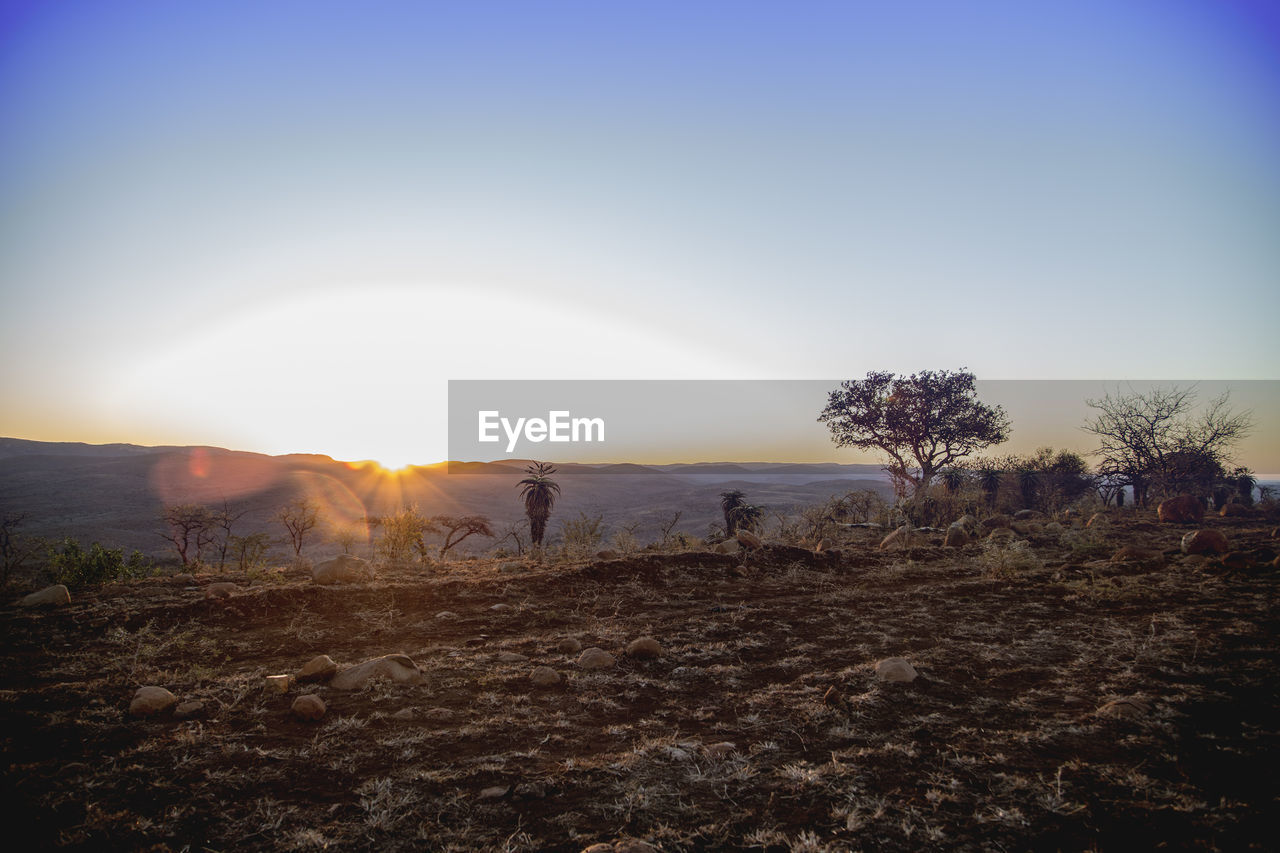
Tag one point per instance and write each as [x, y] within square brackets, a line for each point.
[922, 422]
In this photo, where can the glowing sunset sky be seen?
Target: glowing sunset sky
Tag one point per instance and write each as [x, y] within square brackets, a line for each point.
[283, 226]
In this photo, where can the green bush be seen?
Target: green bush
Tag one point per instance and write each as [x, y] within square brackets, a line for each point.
[71, 565]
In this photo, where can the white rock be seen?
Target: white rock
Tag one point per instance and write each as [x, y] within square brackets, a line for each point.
[50, 596]
[318, 668]
[895, 669]
[395, 667]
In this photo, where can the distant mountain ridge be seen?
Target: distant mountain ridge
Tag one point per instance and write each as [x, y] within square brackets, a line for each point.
[114, 493]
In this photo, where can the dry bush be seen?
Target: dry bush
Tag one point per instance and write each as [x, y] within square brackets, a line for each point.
[1007, 559]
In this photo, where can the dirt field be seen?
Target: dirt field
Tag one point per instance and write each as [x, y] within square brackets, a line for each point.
[997, 745]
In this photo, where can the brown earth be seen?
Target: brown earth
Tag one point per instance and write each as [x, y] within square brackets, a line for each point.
[997, 745]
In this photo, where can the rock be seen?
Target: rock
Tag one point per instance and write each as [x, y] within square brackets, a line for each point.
[187, 710]
[595, 658]
[511, 657]
[967, 523]
[395, 667]
[1237, 561]
[345, 568]
[1235, 511]
[1054, 529]
[625, 845]
[569, 646]
[318, 668]
[497, 792]
[184, 577]
[1027, 515]
[1000, 534]
[747, 539]
[510, 568]
[439, 715]
[896, 539]
[1184, 509]
[728, 546]
[221, 590]
[1129, 707]
[403, 714]
[607, 554]
[1027, 528]
[1132, 553]
[720, 750]
[500, 607]
[50, 596]
[1204, 542]
[446, 615]
[644, 648]
[957, 537]
[1098, 519]
[275, 685]
[995, 522]
[150, 701]
[544, 676]
[309, 707]
[895, 669]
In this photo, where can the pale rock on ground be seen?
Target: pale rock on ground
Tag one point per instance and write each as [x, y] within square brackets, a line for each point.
[544, 676]
[895, 669]
[1205, 542]
[150, 701]
[747, 539]
[221, 590]
[397, 667]
[345, 568]
[569, 646]
[595, 658]
[187, 710]
[309, 707]
[511, 657]
[644, 648]
[50, 596]
[318, 668]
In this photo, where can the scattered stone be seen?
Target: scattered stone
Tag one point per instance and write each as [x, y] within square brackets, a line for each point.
[720, 750]
[595, 658]
[318, 668]
[187, 710]
[1132, 553]
[968, 523]
[625, 845]
[184, 577]
[569, 646]
[544, 676]
[403, 714]
[150, 701]
[50, 596]
[747, 539]
[345, 568]
[644, 648]
[221, 590]
[510, 568]
[1000, 534]
[497, 792]
[275, 685]
[1129, 707]
[897, 538]
[1184, 509]
[1053, 528]
[512, 657]
[957, 537]
[1204, 542]
[446, 615]
[607, 554]
[500, 607]
[728, 546]
[1235, 511]
[309, 707]
[895, 669]
[395, 667]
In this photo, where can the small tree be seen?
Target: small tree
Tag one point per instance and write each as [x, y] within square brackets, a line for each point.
[249, 552]
[221, 521]
[403, 534]
[583, 534]
[665, 528]
[189, 529]
[348, 535]
[922, 422]
[539, 493]
[299, 517]
[16, 550]
[458, 528]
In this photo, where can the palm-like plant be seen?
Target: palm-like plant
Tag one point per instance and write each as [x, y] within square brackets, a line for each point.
[747, 517]
[989, 482]
[539, 493]
[952, 480]
[730, 501]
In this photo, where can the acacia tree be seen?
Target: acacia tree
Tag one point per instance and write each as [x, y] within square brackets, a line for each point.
[298, 517]
[189, 528]
[458, 528]
[539, 493]
[922, 422]
[221, 521]
[1154, 441]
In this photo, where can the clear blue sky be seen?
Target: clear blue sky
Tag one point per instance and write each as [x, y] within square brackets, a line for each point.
[282, 226]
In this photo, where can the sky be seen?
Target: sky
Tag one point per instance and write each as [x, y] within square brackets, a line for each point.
[285, 226]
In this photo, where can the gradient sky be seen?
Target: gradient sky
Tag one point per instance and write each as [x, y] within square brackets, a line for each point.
[283, 226]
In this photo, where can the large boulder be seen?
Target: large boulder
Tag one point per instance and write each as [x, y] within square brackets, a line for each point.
[1204, 542]
[399, 668]
[1184, 509]
[957, 536]
[345, 568]
[644, 648]
[50, 596]
[308, 708]
[747, 539]
[896, 669]
[595, 658]
[318, 668]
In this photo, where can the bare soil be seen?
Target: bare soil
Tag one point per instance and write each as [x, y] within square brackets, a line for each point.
[997, 745]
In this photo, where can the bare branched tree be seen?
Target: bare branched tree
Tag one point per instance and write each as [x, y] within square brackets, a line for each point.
[458, 528]
[299, 517]
[189, 529]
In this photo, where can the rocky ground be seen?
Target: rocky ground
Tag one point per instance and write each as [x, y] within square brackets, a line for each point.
[1063, 701]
